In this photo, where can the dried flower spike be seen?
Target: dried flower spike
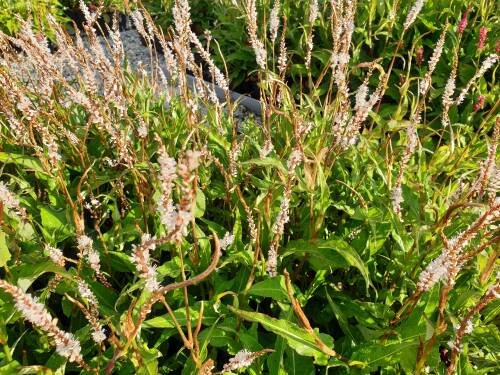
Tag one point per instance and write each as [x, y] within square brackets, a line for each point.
[466, 326]
[420, 56]
[207, 367]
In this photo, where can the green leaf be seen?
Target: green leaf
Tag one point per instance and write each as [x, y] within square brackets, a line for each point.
[120, 262]
[172, 268]
[297, 338]
[375, 354]
[4, 250]
[165, 321]
[341, 318]
[217, 337]
[319, 256]
[28, 162]
[404, 241]
[149, 361]
[28, 273]
[56, 224]
[266, 162]
[4, 335]
[298, 365]
[199, 209]
[10, 368]
[274, 287]
[325, 254]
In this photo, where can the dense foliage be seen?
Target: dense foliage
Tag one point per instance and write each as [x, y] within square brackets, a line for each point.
[352, 230]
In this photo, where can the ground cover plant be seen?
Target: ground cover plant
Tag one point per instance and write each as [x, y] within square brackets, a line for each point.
[146, 230]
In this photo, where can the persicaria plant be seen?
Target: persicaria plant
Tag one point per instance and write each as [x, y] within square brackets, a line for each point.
[340, 217]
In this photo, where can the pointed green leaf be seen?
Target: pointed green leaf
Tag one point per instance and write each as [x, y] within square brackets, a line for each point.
[325, 254]
[373, 354]
[274, 288]
[28, 162]
[297, 338]
[4, 250]
[28, 273]
[266, 162]
[56, 224]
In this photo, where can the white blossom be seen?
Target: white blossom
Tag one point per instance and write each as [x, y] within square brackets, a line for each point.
[9, 200]
[267, 149]
[85, 246]
[98, 335]
[36, 313]
[469, 327]
[68, 346]
[313, 14]
[138, 20]
[487, 64]
[294, 160]
[453, 346]
[168, 174]
[85, 292]
[141, 258]
[449, 89]
[152, 284]
[260, 53]
[84, 242]
[257, 45]
[56, 255]
[397, 199]
[436, 270]
[272, 260]
[282, 217]
[274, 21]
[361, 96]
[413, 13]
[438, 51]
[227, 240]
[243, 358]
[89, 17]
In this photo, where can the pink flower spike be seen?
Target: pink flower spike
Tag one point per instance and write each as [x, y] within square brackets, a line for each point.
[463, 23]
[483, 31]
[479, 103]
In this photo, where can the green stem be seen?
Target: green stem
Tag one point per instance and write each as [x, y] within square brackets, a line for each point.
[8, 355]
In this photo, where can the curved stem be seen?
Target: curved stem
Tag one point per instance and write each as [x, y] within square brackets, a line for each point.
[158, 295]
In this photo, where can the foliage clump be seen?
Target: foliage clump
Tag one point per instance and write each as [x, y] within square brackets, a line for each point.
[354, 227]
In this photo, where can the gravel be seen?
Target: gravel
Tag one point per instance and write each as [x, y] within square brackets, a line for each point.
[138, 56]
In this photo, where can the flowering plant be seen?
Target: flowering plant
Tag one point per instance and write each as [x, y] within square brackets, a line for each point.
[354, 228]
